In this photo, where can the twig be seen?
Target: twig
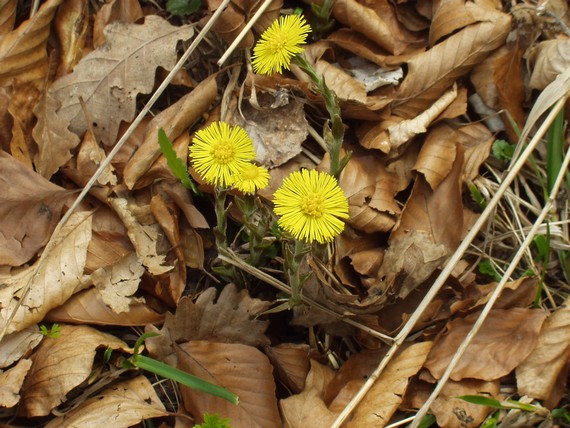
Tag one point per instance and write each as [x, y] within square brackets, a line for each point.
[450, 265]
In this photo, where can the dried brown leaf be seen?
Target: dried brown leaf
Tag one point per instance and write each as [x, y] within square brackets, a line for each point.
[174, 120]
[291, 360]
[23, 52]
[11, 382]
[110, 78]
[542, 375]
[126, 11]
[434, 71]
[308, 408]
[7, 16]
[504, 341]
[71, 23]
[50, 379]
[385, 396]
[124, 404]
[243, 370]
[552, 58]
[28, 296]
[14, 346]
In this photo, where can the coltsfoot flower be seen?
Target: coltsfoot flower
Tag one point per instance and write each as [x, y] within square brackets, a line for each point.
[251, 179]
[220, 152]
[311, 206]
[279, 44]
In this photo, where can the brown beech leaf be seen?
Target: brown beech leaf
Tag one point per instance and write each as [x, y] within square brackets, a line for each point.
[552, 58]
[14, 346]
[542, 375]
[436, 156]
[242, 369]
[127, 11]
[71, 23]
[308, 408]
[506, 338]
[110, 78]
[54, 140]
[7, 16]
[277, 131]
[29, 296]
[143, 234]
[23, 51]
[11, 382]
[229, 318]
[124, 404]
[89, 157]
[60, 364]
[88, 307]
[385, 396]
[174, 120]
[291, 360]
[432, 72]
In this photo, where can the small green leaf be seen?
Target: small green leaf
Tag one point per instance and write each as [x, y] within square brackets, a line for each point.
[503, 150]
[175, 164]
[214, 421]
[427, 421]
[54, 332]
[491, 402]
[485, 267]
[182, 7]
[477, 196]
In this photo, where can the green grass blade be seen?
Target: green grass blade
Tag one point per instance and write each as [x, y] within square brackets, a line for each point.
[554, 149]
[175, 164]
[184, 378]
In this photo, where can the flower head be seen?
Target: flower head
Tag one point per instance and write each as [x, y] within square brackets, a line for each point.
[220, 152]
[279, 44]
[251, 179]
[311, 206]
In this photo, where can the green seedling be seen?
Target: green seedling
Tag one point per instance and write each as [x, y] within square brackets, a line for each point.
[485, 267]
[183, 7]
[54, 332]
[477, 196]
[176, 165]
[214, 421]
[504, 404]
[159, 368]
[503, 150]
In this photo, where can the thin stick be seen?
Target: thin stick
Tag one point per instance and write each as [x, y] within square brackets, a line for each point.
[243, 33]
[495, 295]
[117, 147]
[440, 280]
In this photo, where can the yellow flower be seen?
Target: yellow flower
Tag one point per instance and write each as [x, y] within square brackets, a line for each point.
[220, 152]
[311, 206]
[251, 179]
[279, 44]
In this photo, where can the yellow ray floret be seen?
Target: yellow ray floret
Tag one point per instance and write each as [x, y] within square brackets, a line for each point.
[279, 44]
[251, 179]
[311, 206]
[220, 152]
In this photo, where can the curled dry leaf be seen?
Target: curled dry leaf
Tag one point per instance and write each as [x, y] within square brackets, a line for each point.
[504, 341]
[71, 23]
[11, 382]
[230, 318]
[88, 307]
[308, 408]
[27, 295]
[127, 11]
[552, 58]
[14, 346]
[242, 369]
[110, 78]
[60, 364]
[174, 120]
[125, 404]
[542, 375]
[23, 51]
[385, 396]
[144, 236]
[291, 360]
[7, 16]
[277, 131]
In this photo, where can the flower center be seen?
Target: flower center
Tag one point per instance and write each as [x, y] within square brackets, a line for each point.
[278, 42]
[313, 204]
[250, 173]
[223, 152]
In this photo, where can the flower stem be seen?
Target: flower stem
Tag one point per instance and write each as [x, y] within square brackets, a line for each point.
[221, 218]
[294, 257]
[333, 135]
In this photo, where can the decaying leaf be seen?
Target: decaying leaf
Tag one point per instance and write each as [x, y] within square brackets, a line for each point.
[308, 408]
[60, 364]
[552, 58]
[26, 296]
[7, 16]
[229, 318]
[543, 374]
[242, 369]
[11, 381]
[23, 52]
[124, 404]
[291, 360]
[110, 78]
[71, 24]
[505, 339]
[14, 346]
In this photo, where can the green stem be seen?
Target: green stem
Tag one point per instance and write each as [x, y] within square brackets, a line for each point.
[294, 257]
[221, 218]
